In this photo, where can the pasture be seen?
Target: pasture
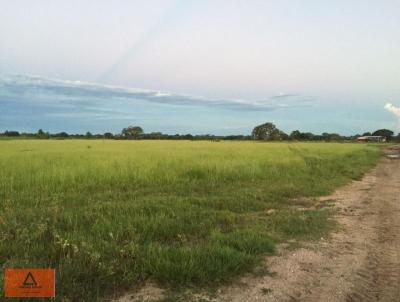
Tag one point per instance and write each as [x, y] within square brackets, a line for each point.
[109, 215]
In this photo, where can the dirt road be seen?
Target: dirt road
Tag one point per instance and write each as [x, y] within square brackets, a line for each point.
[360, 262]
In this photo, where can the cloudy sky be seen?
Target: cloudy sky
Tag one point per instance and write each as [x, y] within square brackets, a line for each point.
[216, 66]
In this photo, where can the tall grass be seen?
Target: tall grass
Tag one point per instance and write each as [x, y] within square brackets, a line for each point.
[111, 214]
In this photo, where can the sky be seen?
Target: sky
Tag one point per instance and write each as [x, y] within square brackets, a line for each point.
[210, 66]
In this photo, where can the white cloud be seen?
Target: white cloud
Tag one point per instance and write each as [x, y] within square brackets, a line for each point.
[393, 109]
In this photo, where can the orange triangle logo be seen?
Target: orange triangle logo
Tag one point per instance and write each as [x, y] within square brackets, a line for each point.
[29, 280]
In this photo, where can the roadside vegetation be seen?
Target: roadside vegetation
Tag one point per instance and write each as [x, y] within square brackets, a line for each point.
[111, 214]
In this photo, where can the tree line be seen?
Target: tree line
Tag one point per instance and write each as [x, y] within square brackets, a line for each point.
[269, 132]
[264, 132]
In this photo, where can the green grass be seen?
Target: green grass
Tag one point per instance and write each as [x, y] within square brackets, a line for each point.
[111, 214]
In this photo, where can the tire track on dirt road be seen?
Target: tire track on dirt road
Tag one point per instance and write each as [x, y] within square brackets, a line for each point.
[379, 278]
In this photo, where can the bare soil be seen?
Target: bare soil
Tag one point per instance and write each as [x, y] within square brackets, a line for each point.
[360, 262]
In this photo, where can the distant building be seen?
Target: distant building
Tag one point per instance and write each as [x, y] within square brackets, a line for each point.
[372, 138]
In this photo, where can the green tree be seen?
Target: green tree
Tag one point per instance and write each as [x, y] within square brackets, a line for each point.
[384, 132]
[108, 135]
[42, 135]
[267, 131]
[132, 132]
[335, 137]
[296, 135]
[11, 133]
[62, 135]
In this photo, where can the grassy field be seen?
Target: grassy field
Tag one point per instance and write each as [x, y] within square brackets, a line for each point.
[109, 215]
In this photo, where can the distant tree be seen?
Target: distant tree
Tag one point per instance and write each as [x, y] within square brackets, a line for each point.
[108, 135]
[308, 136]
[367, 134]
[331, 136]
[318, 138]
[155, 135]
[62, 135]
[236, 137]
[187, 136]
[296, 135]
[11, 133]
[283, 135]
[132, 132]
[267, 131]
[384, 132]
[326, 136]
[42, 135]
[335, 137]
[89, 135]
